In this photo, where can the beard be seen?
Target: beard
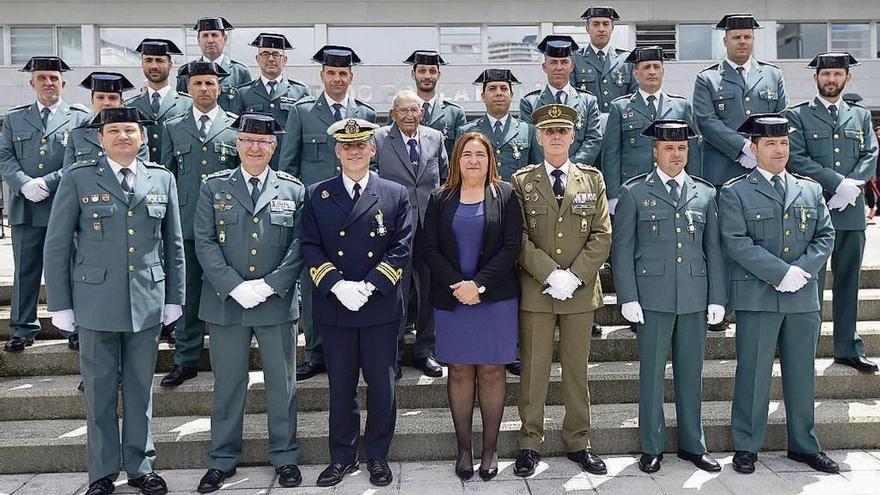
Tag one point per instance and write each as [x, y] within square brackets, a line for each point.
[830, 90]
[427, 86]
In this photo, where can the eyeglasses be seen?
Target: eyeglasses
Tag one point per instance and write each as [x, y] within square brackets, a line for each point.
[408, 111]
[250, 143]
[275, 55]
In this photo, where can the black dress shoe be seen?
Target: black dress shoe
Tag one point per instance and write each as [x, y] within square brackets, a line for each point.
[81, 387]
[633, 328]
[289, 475]
[719, 327]
[702, 461]
[526, 462]
[178, 375]
[589, 461]
[335, 473]
[514, 368]
[380, 473]
[491, 472]
[744, 462]
[819, 462]
[650, 463]
[149, 484]
[464, 472]
[103, 486]
[17, 344]
[596, 330]
[73, 342]
[308, 370]
[398, 371]
[429, 367]
[213, 480]
[860, 363]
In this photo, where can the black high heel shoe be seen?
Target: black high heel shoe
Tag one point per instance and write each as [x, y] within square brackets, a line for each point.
[466, 472]
[488, 474]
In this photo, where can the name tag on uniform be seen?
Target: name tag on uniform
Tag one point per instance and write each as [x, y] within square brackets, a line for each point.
[156, 199]
[282, 205]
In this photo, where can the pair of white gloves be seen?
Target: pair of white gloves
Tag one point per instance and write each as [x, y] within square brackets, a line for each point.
[65, 319]
[795, 278]
[562, 284]
[748, 159]
[35, 190]
[352, 295]
[846, 194]
[632, 311]
[250, 293]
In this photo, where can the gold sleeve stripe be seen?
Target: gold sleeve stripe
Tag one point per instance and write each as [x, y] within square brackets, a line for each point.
[318, 273]
[389, 272]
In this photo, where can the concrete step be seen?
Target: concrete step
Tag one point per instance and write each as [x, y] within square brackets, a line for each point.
[869, 309]
[617, 343]
[56, 397]
[422, 434]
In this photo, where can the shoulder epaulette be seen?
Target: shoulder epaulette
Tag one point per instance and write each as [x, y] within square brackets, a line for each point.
[306, 99]
[702, 181]
[636, 179]
[858, 104]
[451, 103]
[84, 163]
[80, 107]
[620, 50]
[736, 179]
[156, 165]
[761, 62]
[236, 62]
[221, 173]
[20, 107]
[83, 125]
[803, 177]
[580, 89]
[131, 99]
[359, 102]
[526, 169]
[177, 118]
[675, 96]
[624, 97]
[805, 102]
[248, 84]
[294, 82]
[231, 115]
[586, 168]
[536, 92]
[286, 176]
[711, 67]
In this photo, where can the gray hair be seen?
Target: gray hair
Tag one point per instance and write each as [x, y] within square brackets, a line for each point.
[406, 93]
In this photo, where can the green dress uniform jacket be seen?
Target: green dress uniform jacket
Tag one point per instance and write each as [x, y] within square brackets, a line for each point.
[722, 102]
[604, 81]
[308, 152]
[517, 148]
[587, 139]
[173, 105]
[447, 117]
[626, 153]
[252, 97]
[83, 145]
[238, 75]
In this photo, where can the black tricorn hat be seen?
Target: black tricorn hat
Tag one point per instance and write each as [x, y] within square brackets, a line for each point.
[737, 21]
[213, 24]
[106, 82]
[272, 40]
[765, 125]
[669, 130]
[833, 60]
[119, 115]
[258, 123]
[202, 68]
[852, 98]
[157, 46]
[557, 46]
[600, 11]
[646, 54]
[336, 56]
[45, 63]
[425, 57]
[496, 75]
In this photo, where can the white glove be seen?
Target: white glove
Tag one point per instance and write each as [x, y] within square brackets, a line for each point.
[748, 159]
[603, 122]
[850, 189]
[837, 202]
[261, 287]
[573, 280]
[632, 311]
[557, 294]
[794, 279]
[557, 279]
[64, 320]
[714, 314]
[612, 205]
[352, 295]
[245, 295]
[35, 190]
[171, 313]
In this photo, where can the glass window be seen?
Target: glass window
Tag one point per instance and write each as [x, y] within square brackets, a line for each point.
[117, 45]
[513, 44]
[384, 44]
[620, 37]
[662, 35]
[70, 44]
[800, 40]
[27, 42]
[852, 38]
[302, 38]
[460, 44]
[699, 42]
[2, 45]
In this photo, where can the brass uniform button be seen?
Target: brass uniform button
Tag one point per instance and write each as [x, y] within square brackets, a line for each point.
[254, 236]
[95, 215]
[341, 233]
[222, 222]
[204, 148]
[131, 268]
[204, 176]
[204, 162]
[131, 249]
[559, 235]
[339, 253]
[252, 268]
[785, 216]
[40, 166]
[678, 230]
[130, 213]
[253, 252]
[786, 249]
[680, 245]
[42, 152]
[155, 136]
[677, 215]
[679, 259]
[256, 220]
[787, 233]
[559, 220]
[558, 251]
[43, 141]
[372, 234]
[130, 231]
[369, 254]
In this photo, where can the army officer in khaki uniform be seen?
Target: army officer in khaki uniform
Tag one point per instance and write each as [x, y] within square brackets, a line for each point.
[566, 238]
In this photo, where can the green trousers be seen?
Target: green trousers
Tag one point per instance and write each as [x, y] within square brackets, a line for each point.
[314, 342]
[757, 335]
[686, 334]
[190, 330]
[230, 353]
[846, 266]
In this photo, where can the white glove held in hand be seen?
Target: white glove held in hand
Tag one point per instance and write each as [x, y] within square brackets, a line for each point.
[556, 294]
[171, 313]
[849, 189]
[612, 205]
[632, 312]
[837, 202]
[246, 296]
[794, 279]
[352, 295]
[64, 320]
[748, 159]
[262, 288]
[714, 314]
[35, 190]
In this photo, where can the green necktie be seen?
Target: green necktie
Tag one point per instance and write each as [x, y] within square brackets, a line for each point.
[673, 190]
[777, 184]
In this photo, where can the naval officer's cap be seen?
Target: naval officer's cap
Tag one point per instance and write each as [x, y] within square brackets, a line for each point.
[213, 24]
[158, 46]
[352, 130]
[557, 46]
[45, 63]
[120, 115]
[554, 115]
[765, 125]
[336, 56]
[272, 40]
[737, 21]
[600, 11]
[425, 57]
[833, 60]
[669, 130]
[258, 123]
[106, 82]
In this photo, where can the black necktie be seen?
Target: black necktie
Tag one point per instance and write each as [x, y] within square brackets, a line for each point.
[833, 110]
[777, 184]
[126, 187]
[426, 112]
[272, 89]
[601, 56]
[673, 190]
[45, 119]
[742, 74]
[413, 152]
[560, 97]
[255, 190]
[203, 129]
[337, 111]
[558, 187]
[155, 102]
[357, 192]
[651, 107]
[496, 136]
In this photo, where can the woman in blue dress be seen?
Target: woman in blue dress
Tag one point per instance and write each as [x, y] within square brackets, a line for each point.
[473, 232]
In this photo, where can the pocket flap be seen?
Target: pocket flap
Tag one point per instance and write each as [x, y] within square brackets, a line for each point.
[537, 210]
[650, 268]
[283, 219]
[635, 124]
[255, 108]
[315, 138]
[759, 214]
[157, 272]
[156, 211]
[227, 218]
[89, 274]
[182, 149]
[854, 134]
[654, 215]
[817, 134]
[22, 135]
[698, 268]
[101, 211]
[724, 95]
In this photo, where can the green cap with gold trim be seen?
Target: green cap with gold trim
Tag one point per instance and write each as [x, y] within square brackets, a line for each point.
[554, 115]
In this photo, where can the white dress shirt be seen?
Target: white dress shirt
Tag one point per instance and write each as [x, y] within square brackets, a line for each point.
[260, 178]
[212, 114]
[678, 178]
[342, 111]
[117, 171]
[550, 168]
[349, 183]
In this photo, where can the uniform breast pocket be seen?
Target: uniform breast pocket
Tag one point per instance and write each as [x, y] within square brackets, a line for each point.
[157, 216]
[632, 132]
[89, 274]
[282, 225]
[536, 216]
[854, 141]
[695, 224]
[223, 220]
[587, 77]
[312, 144]
[724, 102]
[255, 108]
[650, 268]
[761, 223]
[655, 225]
[95, 222]
[818, 142]
[23, 144]
[582, 218]
[181, 154]
[698, 268]
[805, 219]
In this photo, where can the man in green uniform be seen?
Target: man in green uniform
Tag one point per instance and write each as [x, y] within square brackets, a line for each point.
[212, 41]
[271, 92]
[32, 146]
[160, 101]
[669, 276]
[247, 241]
[777, 232]
[118, 283]
[195, 145]
[834, 145]
[566, 238]
[309, 154]
[514, 140]
[437, 113]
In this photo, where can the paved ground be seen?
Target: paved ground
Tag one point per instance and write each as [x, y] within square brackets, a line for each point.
[776, 475]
